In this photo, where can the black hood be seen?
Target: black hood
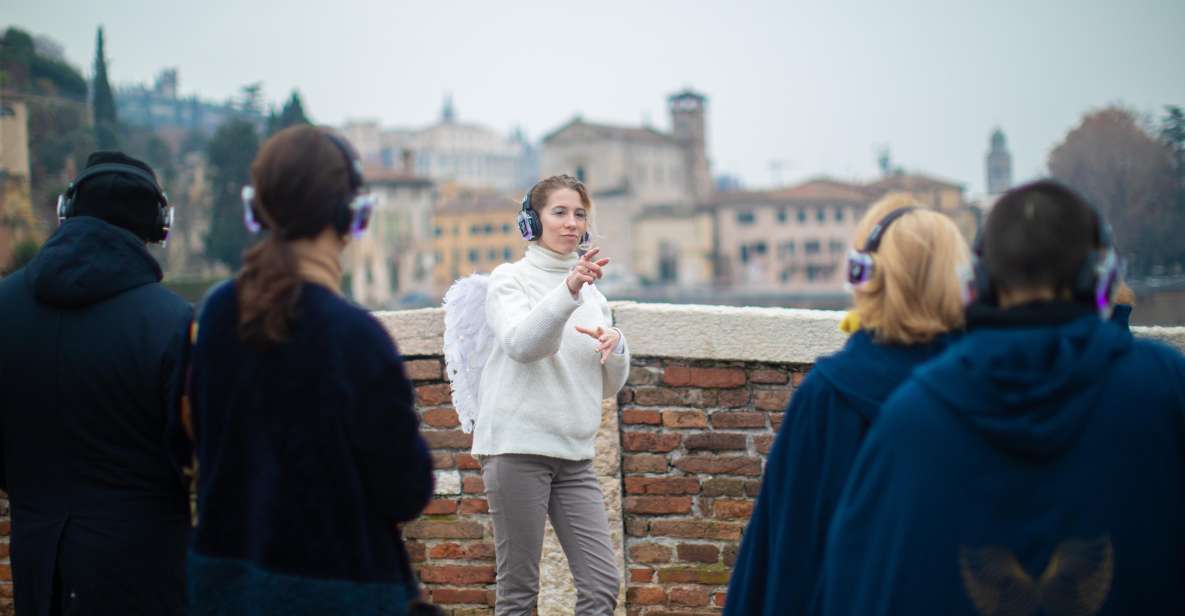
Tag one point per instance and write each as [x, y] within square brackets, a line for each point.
[87, 261]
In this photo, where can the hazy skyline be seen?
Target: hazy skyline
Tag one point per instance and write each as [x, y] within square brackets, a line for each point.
[819, 87]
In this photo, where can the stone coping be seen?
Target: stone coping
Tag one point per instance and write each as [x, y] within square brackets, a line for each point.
[692, 331]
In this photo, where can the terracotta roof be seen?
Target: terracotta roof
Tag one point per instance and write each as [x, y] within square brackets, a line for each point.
[610, 132]
[480, 205]
[819, 190]
[911, 181]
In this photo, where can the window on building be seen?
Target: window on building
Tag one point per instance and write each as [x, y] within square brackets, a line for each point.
[506, 254]
[668, 263]
[437, 232]
[580, 175]
[811, 247]
[838, 214]
[507, 229]
[786, 249]
[745, 217]
[782, 215]
[393, 275]
[821, 215]
[744, 253]
[836, 246]
[493, 254]
[475, 230]
[759, 248]
[489, 229]
[801, 214]
[473, 255]
[785, 275]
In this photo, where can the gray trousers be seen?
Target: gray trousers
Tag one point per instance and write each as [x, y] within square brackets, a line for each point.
[523, 491]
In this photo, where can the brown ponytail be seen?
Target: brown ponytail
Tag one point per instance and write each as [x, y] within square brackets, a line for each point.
[300, 179]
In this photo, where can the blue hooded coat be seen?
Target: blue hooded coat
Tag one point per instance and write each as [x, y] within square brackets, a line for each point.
[1037, 467]
[825, 423]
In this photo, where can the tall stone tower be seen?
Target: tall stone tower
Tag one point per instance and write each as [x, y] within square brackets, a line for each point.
[999, 164]
[688, 127]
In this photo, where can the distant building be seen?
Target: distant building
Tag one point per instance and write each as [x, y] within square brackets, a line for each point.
[474, 234]
[161, 106]
[391, 265]
[470, 156]
[676, 247]
[941, 195]
[998, 164]
[790, 241]
[630, 168]
[17, 220]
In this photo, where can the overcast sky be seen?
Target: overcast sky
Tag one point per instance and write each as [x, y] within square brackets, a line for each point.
[818, 86]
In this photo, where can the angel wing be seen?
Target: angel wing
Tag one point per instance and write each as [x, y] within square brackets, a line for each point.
[1078, 578]
[467, 344]
[996, 582]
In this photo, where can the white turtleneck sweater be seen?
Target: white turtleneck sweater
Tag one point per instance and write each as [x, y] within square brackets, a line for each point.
[542, 386]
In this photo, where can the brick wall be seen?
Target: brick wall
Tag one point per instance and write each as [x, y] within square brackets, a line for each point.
[694, 440]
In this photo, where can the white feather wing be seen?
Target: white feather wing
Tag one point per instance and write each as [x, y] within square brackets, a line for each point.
[467, 344]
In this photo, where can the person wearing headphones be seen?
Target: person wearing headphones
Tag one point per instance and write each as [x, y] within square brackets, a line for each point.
[556, 356]
[907, 299]
[307, 441]
[1038, 465]
[92, 349]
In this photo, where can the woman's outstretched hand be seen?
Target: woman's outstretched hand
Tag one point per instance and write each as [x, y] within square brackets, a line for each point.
[607, 339]
[586, 271]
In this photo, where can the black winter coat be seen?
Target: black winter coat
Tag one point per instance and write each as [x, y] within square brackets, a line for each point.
[92, 353]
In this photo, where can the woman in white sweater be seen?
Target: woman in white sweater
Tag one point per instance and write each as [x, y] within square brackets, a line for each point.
[556, 356]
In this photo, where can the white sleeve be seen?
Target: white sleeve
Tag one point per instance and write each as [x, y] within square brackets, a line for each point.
[527, 334]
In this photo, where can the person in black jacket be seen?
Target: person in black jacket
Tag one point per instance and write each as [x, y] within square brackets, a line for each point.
[91, 371]
[307, 441]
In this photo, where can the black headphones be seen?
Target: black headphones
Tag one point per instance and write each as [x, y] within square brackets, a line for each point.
[1094, 283]
[529, 224]
[351, 216]
[159, 234]
[860, 262]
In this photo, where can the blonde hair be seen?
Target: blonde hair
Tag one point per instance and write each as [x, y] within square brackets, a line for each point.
[915, 292]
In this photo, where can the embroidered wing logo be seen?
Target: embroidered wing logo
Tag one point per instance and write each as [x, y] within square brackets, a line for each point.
[467, 344]
[1075, 582]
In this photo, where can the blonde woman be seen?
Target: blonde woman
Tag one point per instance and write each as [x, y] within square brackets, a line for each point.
[907, 299]
[556, 355]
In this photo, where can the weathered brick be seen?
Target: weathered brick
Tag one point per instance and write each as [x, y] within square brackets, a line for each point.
[720, 465]
[441, 418]
[763, 443]
[752, 488]
[645, 595]
[443, 460]
[775, 420]
[473, 485]
[643, 463]
[479, 551]
[661, 486]
[797, 377]
[650, 553]
[771, 399]
[715, 441]
[643, 375]
[454, 596]
[636, 526]
[443, 529]
[768, 377]
[665, 396]
[658, 505]
[729, 554]
[467, 462]
[707, 575]
[441, 506]
[732, 398]
[475, 505]
[457, 574]
[448, 439]
[684, 419]
[733, 509]
[433, 395]
[625, 396]
[416, 552]
[423, 369]
[698, 552]
[643, 575]
[689, 596]
[696, 529]
[447, 551]
[714, 378]
[650, 441]
[732, 420]
[719, 598]
[640, 417]
[723, 486]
